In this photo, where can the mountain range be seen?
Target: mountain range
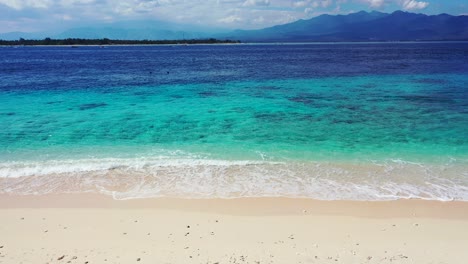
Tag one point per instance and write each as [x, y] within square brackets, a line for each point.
[360, 26]
[363, 26]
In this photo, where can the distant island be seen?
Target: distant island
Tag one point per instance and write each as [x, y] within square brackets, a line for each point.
[106, 41]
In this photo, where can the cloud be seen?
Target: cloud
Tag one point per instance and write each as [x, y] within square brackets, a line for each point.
[413, 5]
[63, 17]
[376, 3]
[301, 3]
[22, 4]
[324, 3]
[230, 19]
[404, 4]
[256, 3]
[311, 4]
[69, 3]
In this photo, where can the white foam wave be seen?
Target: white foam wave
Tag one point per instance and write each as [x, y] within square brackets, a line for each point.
[71, 167]
[203, 178]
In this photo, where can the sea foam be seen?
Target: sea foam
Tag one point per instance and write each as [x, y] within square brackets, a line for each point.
[204, 178]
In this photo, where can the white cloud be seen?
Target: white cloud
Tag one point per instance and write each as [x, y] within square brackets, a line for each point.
[413, 5]
[69, 3]
[321, 3]
[325, 3]
[256, 3]
[146, 6]
[230, 19]
[259, 20]
[308, 5]
[132, 7]
[64, 17]
[405, 4]
[376, 3]
[300, 3]
[284, 18]
[21, 4]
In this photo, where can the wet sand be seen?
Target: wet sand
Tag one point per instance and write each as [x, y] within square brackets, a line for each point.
[89, 228]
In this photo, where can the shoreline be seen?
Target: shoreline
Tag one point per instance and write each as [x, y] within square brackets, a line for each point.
[88, 228]
[125, 179]
[402, 208]
[257, 43]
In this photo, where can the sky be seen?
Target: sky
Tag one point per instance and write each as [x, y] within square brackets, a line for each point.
[56, 15]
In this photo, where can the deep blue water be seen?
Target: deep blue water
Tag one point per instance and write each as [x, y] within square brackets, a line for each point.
[63, 68]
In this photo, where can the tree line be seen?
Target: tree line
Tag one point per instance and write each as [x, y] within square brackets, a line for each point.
[106, 41]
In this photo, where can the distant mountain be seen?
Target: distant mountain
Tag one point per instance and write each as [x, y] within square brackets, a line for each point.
[362, 26]
[139, 30]
[125, 30]
[18, 35]
[127, 33]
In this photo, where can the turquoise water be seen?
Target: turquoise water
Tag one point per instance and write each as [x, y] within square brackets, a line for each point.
[373, 117]
[333, 136]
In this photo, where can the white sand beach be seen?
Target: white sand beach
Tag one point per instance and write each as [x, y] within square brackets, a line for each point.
[87, 228]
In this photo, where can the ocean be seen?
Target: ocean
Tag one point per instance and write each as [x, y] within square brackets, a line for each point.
[329, 121]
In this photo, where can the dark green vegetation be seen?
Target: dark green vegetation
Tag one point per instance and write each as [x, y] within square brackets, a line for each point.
[106, 41]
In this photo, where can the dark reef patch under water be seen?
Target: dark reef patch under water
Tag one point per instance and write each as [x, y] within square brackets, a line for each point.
[91, 106]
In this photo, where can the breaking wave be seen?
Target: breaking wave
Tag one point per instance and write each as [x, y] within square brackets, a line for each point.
[202, 178]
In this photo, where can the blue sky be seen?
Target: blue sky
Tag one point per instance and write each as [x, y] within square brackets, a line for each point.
[55, 15]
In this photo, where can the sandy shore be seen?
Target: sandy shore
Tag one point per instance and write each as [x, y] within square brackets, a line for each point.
[96, 229]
